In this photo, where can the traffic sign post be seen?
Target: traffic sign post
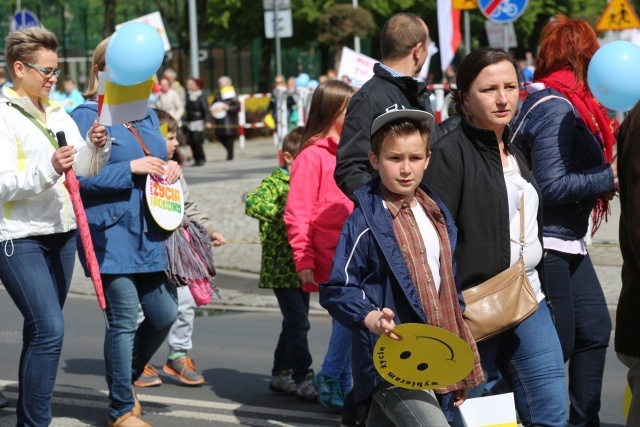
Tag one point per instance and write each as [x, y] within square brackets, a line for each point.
[23, 19]
[283, 25]
[277, 24]
[618, 15]
[503, 11]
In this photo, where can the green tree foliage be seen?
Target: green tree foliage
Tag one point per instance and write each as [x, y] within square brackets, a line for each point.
[340, 24]
[83, 23]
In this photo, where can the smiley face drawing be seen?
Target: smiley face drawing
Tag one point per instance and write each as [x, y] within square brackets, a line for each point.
[427, 357]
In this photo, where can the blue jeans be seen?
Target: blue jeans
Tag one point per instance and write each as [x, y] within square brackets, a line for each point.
[292, 351]
[584, 327]
[529, 358]
[337, 361]
[393, 406]
[36, 272]
[127, 347]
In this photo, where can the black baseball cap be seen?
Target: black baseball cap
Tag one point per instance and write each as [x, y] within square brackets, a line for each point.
[397, 111]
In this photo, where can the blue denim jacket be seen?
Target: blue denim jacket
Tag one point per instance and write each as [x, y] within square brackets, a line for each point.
[125, 237]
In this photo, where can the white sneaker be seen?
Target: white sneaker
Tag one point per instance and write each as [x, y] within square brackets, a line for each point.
[305, 389]
[283, 383]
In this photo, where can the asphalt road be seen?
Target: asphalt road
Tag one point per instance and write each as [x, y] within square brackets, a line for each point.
[234, 353]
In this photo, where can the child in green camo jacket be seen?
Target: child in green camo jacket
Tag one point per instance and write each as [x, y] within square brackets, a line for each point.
[291, 373]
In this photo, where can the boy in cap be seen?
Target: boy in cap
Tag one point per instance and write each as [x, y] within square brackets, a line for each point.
[393, 265]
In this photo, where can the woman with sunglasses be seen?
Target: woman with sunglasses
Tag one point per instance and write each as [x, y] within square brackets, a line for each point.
[37, 224]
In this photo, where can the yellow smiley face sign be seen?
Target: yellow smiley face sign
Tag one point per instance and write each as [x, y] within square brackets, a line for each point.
[426, 357]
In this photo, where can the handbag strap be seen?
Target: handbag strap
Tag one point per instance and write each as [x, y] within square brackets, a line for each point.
[521, 212]
[137, 135]
[35, 121]
[521, 222]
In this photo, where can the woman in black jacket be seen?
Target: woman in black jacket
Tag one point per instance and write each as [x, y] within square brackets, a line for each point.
[480, 177]
[198, 117]
[225, 109]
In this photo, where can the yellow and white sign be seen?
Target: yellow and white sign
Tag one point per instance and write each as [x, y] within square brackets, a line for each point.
[426, 357]
[118, 104]
[165, 201]
[489, 411]
[465, 4]
[618, 15]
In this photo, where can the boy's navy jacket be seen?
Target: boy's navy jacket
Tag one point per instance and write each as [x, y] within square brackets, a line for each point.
[369, 273]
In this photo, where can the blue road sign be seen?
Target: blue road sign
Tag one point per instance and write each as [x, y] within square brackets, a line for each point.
[502, 10]
[23, 19]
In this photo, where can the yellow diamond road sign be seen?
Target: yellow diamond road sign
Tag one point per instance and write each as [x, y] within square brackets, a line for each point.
[618, 15]
[465, 4]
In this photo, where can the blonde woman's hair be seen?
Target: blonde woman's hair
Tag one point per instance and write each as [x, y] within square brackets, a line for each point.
[97, 64]
[23, 45]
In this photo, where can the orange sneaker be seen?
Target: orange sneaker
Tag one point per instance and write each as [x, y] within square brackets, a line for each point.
[184, 368]
[149, 377]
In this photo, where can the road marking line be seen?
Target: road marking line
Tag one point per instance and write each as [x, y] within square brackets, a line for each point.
[171, 401]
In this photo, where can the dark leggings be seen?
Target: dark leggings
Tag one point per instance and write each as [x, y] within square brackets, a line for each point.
[227, 141]
[195, 140]
[583, 324]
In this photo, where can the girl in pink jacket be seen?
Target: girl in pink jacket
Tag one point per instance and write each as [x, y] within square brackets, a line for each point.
[316, 208]
[315, 212]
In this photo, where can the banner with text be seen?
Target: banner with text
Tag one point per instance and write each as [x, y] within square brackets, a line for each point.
[356, 66]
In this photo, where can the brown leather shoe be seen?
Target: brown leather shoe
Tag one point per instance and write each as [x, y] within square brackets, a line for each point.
[137, 408]
[128, 420]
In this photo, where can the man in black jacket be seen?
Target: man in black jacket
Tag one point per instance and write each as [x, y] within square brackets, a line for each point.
[403, 45]
[627, 316]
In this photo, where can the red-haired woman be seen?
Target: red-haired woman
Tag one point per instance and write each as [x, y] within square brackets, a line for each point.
[567, 138]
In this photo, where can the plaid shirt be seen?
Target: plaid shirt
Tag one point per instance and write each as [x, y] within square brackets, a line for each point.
[442, 310]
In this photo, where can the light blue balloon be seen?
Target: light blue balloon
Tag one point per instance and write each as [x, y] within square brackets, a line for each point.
[313, 84]
[303, 80]
[134, 53]
[613, 75]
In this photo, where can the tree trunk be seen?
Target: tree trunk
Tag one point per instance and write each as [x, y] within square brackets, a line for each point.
[264, 82]
[109, 18]
[326, 59]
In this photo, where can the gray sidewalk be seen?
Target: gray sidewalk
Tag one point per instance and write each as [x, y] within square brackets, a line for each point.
[219, 188]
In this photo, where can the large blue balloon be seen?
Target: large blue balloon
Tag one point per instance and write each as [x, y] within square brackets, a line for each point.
[313, 84]
[614, 74]
[134, 53]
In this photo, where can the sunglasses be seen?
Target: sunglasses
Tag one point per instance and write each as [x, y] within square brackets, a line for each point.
[47, 72]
